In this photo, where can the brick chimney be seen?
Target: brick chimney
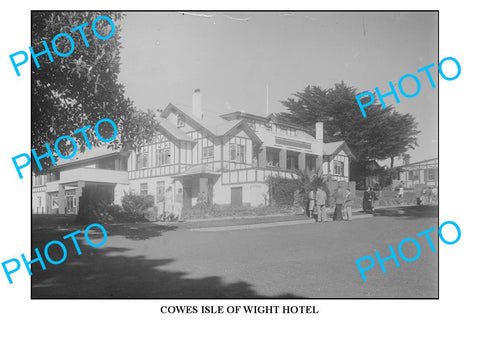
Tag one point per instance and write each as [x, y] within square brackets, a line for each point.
[197, 104]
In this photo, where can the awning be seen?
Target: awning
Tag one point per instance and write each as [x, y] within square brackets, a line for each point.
[198, 170]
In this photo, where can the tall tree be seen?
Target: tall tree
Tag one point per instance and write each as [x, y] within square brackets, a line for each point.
[384, 134]
[80, 89]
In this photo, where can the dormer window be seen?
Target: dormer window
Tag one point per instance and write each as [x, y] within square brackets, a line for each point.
[180, 121]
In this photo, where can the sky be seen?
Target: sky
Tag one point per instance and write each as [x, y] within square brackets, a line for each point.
[232, 57]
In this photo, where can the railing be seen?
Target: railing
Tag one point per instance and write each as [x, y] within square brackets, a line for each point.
[255, 175]
[39, 188]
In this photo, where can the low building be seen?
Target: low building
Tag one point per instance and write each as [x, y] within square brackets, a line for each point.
[224, 159]
[423, 173]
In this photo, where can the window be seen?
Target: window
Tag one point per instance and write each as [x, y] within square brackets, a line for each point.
[142, 159]
[108, 163]
[160, 191]
[292, 162]
[162, 154]
[432, 174]
[207, 152]
[54, 200]
[241, 153]
[273, 158]
[310, 163]
[53, 176]
[253, 124]
[144, 189]
[180, 121]
[414, 175]
[237, 153]
[38, 180]
[338, 168]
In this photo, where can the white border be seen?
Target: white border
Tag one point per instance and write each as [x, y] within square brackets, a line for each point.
[455, 315]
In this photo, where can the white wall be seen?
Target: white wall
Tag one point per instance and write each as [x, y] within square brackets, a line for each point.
[36, 207]
[253, 193]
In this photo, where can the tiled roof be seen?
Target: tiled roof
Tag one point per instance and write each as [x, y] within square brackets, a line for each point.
[173, 130]
[209, 121]
[305, 135]
[216, 125]
[334, 147]
[331, 148]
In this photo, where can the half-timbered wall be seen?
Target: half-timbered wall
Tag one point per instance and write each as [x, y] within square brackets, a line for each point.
[329, 166]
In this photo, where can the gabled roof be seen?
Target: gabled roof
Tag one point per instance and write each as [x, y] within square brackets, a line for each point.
[335, 147]
[240, 124]
[215, 125]
[207, 124]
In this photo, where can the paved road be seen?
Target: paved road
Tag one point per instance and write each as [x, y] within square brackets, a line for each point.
[293, 260]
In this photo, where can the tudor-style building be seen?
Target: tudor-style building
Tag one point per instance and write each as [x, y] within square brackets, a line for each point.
[225, 159]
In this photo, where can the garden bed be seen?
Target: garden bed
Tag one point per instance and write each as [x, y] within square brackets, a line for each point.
[229, 211]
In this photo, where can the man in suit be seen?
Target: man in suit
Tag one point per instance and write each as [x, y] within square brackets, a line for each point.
[339, 200]
[321, 199]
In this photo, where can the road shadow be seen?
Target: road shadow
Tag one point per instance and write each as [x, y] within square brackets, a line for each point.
[95, 274]
[107, 273]
[409, 212]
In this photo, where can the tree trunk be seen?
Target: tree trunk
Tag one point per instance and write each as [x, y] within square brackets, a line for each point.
[391, 162]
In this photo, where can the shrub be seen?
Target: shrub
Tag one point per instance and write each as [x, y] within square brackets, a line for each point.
[202, 200]
[293, 191]
[94, 204]
[135, 205]
[282, 191]
[216, 210]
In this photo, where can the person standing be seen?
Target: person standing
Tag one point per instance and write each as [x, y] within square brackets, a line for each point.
[348, 204]
[434, 195]
[311, 203]
[320, 201]
[368, 200]
[429, 195]
[178, 206]
[168, 203]
[339, 200]
[161, 207]
[400, 190]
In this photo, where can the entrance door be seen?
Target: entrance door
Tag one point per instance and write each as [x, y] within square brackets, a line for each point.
[187, 197]
[236, 197]
[71, 207]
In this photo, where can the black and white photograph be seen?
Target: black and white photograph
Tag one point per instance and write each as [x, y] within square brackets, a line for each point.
[234, 155]
[229, 170]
